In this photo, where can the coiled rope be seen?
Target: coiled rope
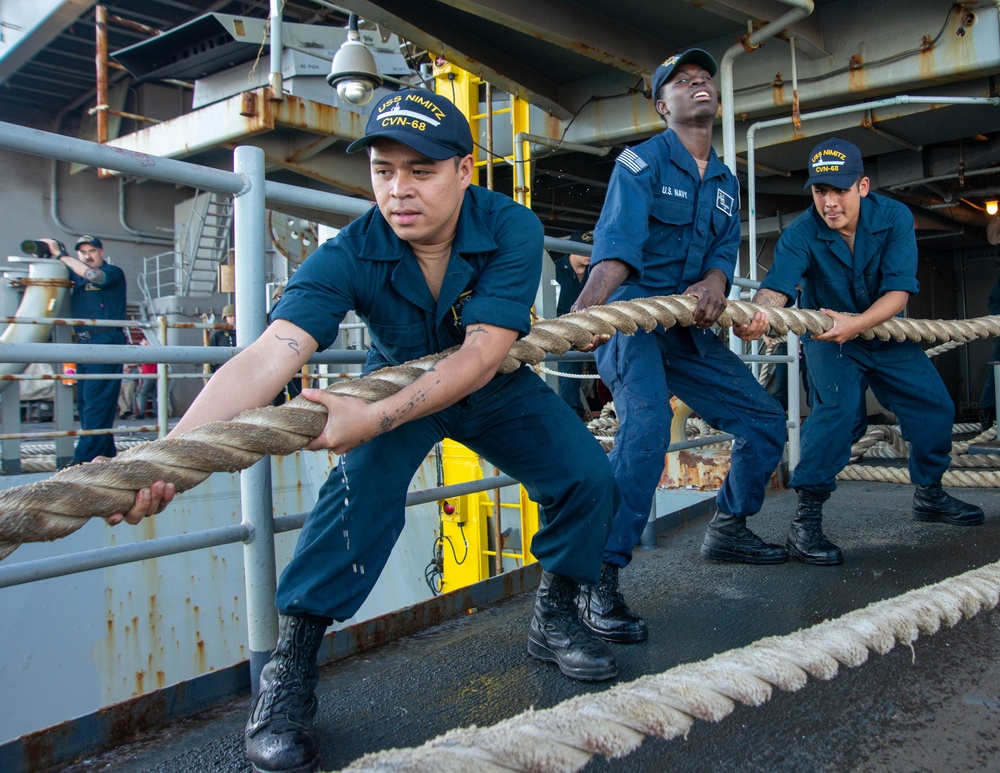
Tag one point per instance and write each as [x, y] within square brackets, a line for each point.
[613, 723]
[60, 505]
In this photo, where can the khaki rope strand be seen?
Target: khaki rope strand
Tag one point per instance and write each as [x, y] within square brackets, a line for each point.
[614, 722]
[58, 506]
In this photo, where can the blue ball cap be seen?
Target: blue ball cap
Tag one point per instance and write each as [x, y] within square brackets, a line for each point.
[577, 237]
[663, 73]
[428, 123]
[836, 163]
[86, 239]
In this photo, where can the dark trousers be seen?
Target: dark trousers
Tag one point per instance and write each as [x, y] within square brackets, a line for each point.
[904, 381]
[569, 388]
[516, 422]
[642, 372]
[145, 395]
[97, 404]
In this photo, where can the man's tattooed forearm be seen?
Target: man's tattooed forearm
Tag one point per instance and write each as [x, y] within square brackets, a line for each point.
[94, 275]
[770, 298]
[292, 343]
[476, 329]
[386, 422]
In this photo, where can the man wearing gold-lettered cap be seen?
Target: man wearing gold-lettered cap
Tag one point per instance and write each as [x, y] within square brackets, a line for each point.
[439, 264]
[854, 255]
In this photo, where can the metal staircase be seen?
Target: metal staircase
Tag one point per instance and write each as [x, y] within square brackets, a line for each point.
[207, 243]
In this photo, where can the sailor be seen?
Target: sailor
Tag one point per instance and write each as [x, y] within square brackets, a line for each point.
[670, 224]
[99, 291]
[572, 270]
[854, 254]
[438, 263]
[225, 338]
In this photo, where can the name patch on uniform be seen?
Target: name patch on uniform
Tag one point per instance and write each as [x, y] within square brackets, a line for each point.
[666, 190]
[629, 159]
[724, 202]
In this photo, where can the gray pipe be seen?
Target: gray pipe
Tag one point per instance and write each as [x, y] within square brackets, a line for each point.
[802, 9]
[274, 79]
[145, 235]
[255, 481]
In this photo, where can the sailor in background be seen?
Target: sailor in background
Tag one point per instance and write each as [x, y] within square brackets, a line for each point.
[572, 270]
[98, 293]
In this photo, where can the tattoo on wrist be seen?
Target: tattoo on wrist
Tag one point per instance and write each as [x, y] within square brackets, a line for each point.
[770, 298]
[292, 343]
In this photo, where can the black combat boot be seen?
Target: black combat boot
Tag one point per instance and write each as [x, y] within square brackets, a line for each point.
[805, 536]
[603, 610]
[558, 636]
[933, 503]
[279, 734]
[987, 417]
[728, 539]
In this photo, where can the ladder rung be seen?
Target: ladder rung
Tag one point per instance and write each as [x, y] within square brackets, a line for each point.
[477, 116]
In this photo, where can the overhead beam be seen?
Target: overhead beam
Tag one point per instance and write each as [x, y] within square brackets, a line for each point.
[38, 33]
[442, 37]
[574, 27]
[231, 119]
[351, 174]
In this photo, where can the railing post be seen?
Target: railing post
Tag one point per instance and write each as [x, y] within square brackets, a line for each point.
[10, 421]
[162, 385]
[255, 481]
[63, 403]
[794, 403]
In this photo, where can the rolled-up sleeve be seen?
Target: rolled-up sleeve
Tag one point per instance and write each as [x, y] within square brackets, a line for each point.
[506, 289]
[791, 258]
[319, 294]
[112, 276]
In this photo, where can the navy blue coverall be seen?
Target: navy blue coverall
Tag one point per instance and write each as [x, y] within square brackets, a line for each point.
[97, 401]
[671, 227]
[516, 421]
[812, 255]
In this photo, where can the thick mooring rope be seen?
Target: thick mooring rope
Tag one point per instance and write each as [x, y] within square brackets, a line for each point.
[56, 507]
[613, 723]
[951, 478]
[885, 441]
